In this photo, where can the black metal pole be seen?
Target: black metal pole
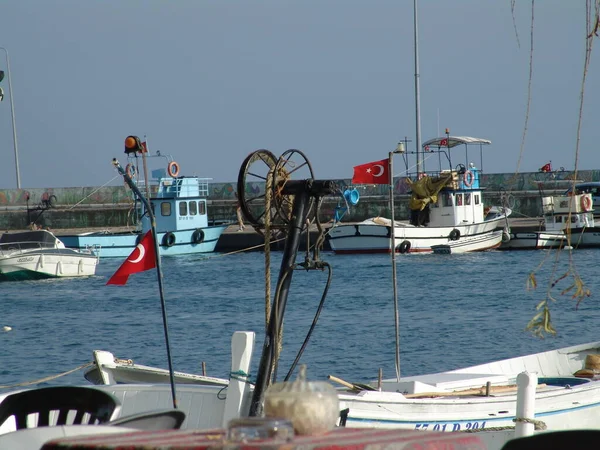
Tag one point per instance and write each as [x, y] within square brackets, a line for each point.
[302, 191]
[146, 203]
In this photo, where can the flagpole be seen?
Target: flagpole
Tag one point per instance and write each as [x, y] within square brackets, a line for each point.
[393, 232]
[144, 200]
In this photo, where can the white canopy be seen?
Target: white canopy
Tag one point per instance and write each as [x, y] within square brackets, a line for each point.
[453, 141]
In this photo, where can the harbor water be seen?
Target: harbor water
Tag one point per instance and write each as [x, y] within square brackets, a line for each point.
[454, 311]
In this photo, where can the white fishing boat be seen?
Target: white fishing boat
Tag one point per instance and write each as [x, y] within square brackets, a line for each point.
[181, 211]
[446, 205]
[108, 369]
[38, 254]
[563, 215]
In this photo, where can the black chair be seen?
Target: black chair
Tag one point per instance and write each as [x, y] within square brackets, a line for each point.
[164, 419]
[88, 406]
[556, 440]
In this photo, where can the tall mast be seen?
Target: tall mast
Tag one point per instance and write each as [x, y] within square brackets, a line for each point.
[417, 93]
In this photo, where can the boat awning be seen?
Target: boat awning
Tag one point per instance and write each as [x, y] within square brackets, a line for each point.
[453, 141]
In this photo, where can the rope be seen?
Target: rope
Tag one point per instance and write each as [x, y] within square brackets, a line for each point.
[268, 195]
[93, 192]
[538, 424]
[52, 377]
[240, 375]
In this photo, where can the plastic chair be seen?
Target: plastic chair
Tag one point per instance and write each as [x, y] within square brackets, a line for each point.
[164, 419]
[88, 406]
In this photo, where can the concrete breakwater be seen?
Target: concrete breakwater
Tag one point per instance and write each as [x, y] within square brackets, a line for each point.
[113, 206]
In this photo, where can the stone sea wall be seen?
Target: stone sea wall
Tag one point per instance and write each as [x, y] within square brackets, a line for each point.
[112, 206]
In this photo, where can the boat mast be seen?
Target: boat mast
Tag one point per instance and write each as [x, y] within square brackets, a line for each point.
[417, 93]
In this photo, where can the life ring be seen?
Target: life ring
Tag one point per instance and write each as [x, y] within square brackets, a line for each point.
[173, 169]
[168, 239]
[454, 235]
[404, 247]
[198, 236]
[468, 178]
[130, 170]
[586, 203]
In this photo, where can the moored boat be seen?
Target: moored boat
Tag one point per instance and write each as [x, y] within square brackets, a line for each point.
[447, 211]
[38, 254]
[568, 220]
[181, 212]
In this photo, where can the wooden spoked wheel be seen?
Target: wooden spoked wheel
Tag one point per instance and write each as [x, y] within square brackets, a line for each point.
[291, 165]
[252, 181]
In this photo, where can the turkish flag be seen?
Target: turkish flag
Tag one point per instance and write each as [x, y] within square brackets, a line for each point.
[546, 168]
[372, 173]
[143, 257]
[444, 143]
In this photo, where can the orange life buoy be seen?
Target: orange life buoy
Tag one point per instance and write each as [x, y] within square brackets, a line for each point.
[130, 170]
[173, 169]
[468, 178]
[586, 203]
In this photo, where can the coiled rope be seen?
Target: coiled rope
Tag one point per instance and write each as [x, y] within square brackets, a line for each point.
[52, 377]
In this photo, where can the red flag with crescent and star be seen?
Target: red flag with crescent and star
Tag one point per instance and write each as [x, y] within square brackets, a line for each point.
[372, 173]
[142, 258]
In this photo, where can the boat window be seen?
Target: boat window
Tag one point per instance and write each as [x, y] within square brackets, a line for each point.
[193, 209]
[467, 199]
[183, 208]
[202, 207]
[573, 219]
[165, 209]
[558, 219]
[476, 198]
[447, 199]
[459, 199]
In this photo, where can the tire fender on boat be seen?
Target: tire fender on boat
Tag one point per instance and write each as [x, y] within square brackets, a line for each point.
[454, 235]
[198, 236]
[173, 169]
[586, 203]
[468, 178]
[404, 247]
[168, 239]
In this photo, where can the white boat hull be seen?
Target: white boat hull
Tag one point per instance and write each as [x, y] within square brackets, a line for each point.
[48, 265]
[374, 236]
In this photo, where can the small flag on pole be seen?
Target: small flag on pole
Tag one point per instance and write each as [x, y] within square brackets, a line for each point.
[546, 168]
[142, 258]
[372, 173]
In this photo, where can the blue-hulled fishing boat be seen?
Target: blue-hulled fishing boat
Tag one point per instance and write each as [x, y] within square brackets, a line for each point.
[180, 210]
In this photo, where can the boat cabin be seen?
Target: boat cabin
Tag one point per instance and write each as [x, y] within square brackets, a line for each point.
[568, 211]
[179, 204]
[444, 193]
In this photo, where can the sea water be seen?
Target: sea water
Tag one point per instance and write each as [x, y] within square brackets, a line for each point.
[454, 311]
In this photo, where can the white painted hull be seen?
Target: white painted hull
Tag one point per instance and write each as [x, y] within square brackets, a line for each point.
[477, 243]
[562, 401]
[372, 237]
[534, 240]
[53, 263]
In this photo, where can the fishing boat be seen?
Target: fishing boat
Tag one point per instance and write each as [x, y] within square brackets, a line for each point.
[181, 211]
[447, 211]
[38, 254]
[108, 369]
[568, 220]
[481, 397]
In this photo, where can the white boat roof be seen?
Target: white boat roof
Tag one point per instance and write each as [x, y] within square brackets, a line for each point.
[453, 141]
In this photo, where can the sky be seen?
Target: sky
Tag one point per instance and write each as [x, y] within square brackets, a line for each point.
[210, 81]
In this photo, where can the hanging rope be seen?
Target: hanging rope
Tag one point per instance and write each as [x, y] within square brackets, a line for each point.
[42, 380]
[94, 191]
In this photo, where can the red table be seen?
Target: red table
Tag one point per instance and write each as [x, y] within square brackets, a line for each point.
[338, 439]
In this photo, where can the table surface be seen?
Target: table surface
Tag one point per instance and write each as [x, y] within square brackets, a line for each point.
[339, 438]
